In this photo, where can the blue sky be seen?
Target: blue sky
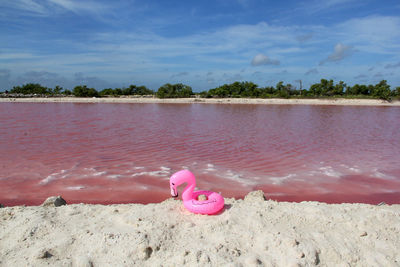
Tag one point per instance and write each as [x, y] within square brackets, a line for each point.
[200, 43]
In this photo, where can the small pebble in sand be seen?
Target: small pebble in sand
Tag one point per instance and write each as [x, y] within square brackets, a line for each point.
[363, 234]
[44, 254]
[202, 198]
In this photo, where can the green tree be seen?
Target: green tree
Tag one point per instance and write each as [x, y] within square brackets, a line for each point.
[57, 90]
[236, 89]
[107, 91]
[143, 90]
[357, 89]
[31, 88]
[327, 88]
[174, 90]
[279, 86]
[281, 90]
[204, 94]
[250, 89]
[397, 92]
[339, 88]
[382, 90]
[118, 91]
[267, 92]
[67, 92]
[222, 91]
[315, 89]
[84, 91]
[128, 91]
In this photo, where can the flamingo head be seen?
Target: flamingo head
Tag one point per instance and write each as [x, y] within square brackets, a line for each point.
[179, 178]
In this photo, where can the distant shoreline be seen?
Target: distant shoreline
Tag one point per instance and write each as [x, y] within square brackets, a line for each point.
[268, 101]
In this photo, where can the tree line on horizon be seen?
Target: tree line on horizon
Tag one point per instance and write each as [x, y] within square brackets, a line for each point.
[325, 88]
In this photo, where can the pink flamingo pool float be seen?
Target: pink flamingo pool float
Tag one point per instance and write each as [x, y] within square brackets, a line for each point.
[213, 204]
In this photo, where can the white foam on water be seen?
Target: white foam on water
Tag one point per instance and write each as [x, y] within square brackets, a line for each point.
[53, 176]
[144, 187]
[78, 187]
[281, 179]
[378, 174]
[48, 179]
[163, 172]
[99, 173]
[139, 174]
[210, 168]
[114, 176]
[93, 172]
[344, 169]
[353, 169]
[237, 177]
[329, 171]
[158, 173]
[138, 168]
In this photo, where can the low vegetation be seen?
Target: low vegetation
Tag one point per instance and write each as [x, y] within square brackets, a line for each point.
[323, 89]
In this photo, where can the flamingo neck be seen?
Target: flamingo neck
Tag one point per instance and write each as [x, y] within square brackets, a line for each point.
[188, 191]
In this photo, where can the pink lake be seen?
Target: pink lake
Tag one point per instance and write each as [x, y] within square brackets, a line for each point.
[124, 153]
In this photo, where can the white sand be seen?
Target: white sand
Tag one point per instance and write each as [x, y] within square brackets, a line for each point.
[277, 101]
[250, 232]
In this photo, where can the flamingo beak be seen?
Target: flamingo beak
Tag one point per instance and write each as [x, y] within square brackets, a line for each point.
[174, 192]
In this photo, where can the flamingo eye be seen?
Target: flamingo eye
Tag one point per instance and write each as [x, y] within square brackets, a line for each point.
[172, 183]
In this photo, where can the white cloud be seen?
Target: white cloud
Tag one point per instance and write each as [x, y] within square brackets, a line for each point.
[243, 3]
[180, 74]
[232, 77]
[13, 56]
[261, 59]
[311, 71]
[78, 6]
[304, 37]
[361, 76]
[373, 34]
[25, 5]
[340, 52]
[51, 7]
[317, 6]
[332, 3]
[392, 66]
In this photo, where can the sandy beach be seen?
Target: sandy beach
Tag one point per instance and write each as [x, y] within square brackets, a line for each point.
[274, 101]
[249, 232]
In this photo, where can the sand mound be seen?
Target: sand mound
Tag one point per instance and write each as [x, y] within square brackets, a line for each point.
[250, 232]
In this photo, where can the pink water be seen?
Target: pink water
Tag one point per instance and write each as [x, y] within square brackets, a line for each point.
[119, 153]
